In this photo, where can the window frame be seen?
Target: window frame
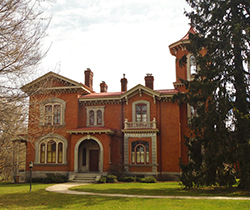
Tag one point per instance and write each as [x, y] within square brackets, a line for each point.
[137, 157]
[60, 154]
[190, 75]
[98, 119]
[134, 105]
[55, 114]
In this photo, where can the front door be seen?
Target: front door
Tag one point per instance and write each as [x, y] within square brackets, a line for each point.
[93, 160]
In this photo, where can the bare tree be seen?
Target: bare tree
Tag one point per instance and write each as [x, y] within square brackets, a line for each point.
[22, 28]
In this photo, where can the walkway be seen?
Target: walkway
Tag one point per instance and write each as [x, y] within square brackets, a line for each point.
[64, 188]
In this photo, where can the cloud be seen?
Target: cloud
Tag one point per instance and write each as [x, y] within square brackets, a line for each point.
[113, 37]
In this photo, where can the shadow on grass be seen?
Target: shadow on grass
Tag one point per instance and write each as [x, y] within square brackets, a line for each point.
[41, 199]
[208, 191]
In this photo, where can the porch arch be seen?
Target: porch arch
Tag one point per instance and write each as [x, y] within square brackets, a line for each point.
[88, 137]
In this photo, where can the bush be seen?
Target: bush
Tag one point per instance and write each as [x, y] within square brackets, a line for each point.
[148, 179]
[129, 179]
[51, 178]
[111, 179]
[118, 171]
[102, 180]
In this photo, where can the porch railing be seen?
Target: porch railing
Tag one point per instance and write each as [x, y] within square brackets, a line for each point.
[134, 125]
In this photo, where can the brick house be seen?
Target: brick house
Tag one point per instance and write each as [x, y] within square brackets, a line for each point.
[75, 131]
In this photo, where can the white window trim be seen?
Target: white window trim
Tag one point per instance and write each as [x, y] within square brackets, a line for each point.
[189, 76]
[56, 138]
[53, 102]
[134, 109]
[95, 109]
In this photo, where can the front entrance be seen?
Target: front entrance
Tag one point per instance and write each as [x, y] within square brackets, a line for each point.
[88, 156]
[93, 160]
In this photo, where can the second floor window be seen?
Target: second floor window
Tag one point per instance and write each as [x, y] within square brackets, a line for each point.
[53, 114]
[141, 113]
[95, 116]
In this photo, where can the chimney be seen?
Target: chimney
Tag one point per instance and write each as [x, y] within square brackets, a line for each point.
[103, 87]
[149, 81]
[89, 78]
[124, 83]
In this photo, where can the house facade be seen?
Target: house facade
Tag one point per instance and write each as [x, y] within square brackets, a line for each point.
[75, 130]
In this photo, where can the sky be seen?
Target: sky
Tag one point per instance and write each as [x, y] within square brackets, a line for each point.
[115, 37]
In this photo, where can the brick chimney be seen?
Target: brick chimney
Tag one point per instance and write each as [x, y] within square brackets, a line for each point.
[103, 87]
[149, 81]
[89, 78]
[124, 83]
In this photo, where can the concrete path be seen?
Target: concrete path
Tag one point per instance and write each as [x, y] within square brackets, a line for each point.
[64, 188]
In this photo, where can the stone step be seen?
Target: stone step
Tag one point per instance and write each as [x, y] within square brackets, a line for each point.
[84, 177]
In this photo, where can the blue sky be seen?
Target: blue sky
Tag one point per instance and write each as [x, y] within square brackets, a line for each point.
[115, 37]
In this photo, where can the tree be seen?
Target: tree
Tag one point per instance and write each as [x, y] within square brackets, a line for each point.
[218, 144]
[22, 28]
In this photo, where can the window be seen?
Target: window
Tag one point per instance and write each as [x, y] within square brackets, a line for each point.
[52, 112]
[141, 113]
[91, 117]
[52, 151]
[192, 65]
[95, 116]
[140, 152]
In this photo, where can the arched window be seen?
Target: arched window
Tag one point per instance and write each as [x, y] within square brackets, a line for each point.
[91, 117]
[52, 112]
[51, 152]
[60, 152]
[140, 152]
[42, 153]
[99, 117]
[95, 116]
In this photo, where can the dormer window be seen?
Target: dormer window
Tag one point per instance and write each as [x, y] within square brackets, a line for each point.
[95, 116]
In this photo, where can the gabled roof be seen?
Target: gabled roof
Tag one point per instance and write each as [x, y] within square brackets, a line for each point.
[119, 96]
[54, 82]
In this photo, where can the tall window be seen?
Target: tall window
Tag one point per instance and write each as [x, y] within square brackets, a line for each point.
[192, 65]
[141, 113]
[51, 152]
[140, 152]
[91, 117]
[99, 117]
[42, 153]
[60, 152]
[53, 114]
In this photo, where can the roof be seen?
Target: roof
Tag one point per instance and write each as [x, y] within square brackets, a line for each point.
[45, 83]
[181, 43]
[118, 96]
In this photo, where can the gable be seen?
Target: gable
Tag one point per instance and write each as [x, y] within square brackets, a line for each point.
[54, 82]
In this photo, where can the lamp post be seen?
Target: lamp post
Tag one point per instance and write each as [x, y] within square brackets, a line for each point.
[30, 166]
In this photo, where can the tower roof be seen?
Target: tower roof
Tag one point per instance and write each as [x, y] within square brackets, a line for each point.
[181, 43]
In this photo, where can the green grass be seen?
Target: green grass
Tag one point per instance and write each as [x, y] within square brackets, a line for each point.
[160, 188]
[17, 196]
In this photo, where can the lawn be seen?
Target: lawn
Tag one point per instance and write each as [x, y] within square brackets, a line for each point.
[17, 196]
[160, 188]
